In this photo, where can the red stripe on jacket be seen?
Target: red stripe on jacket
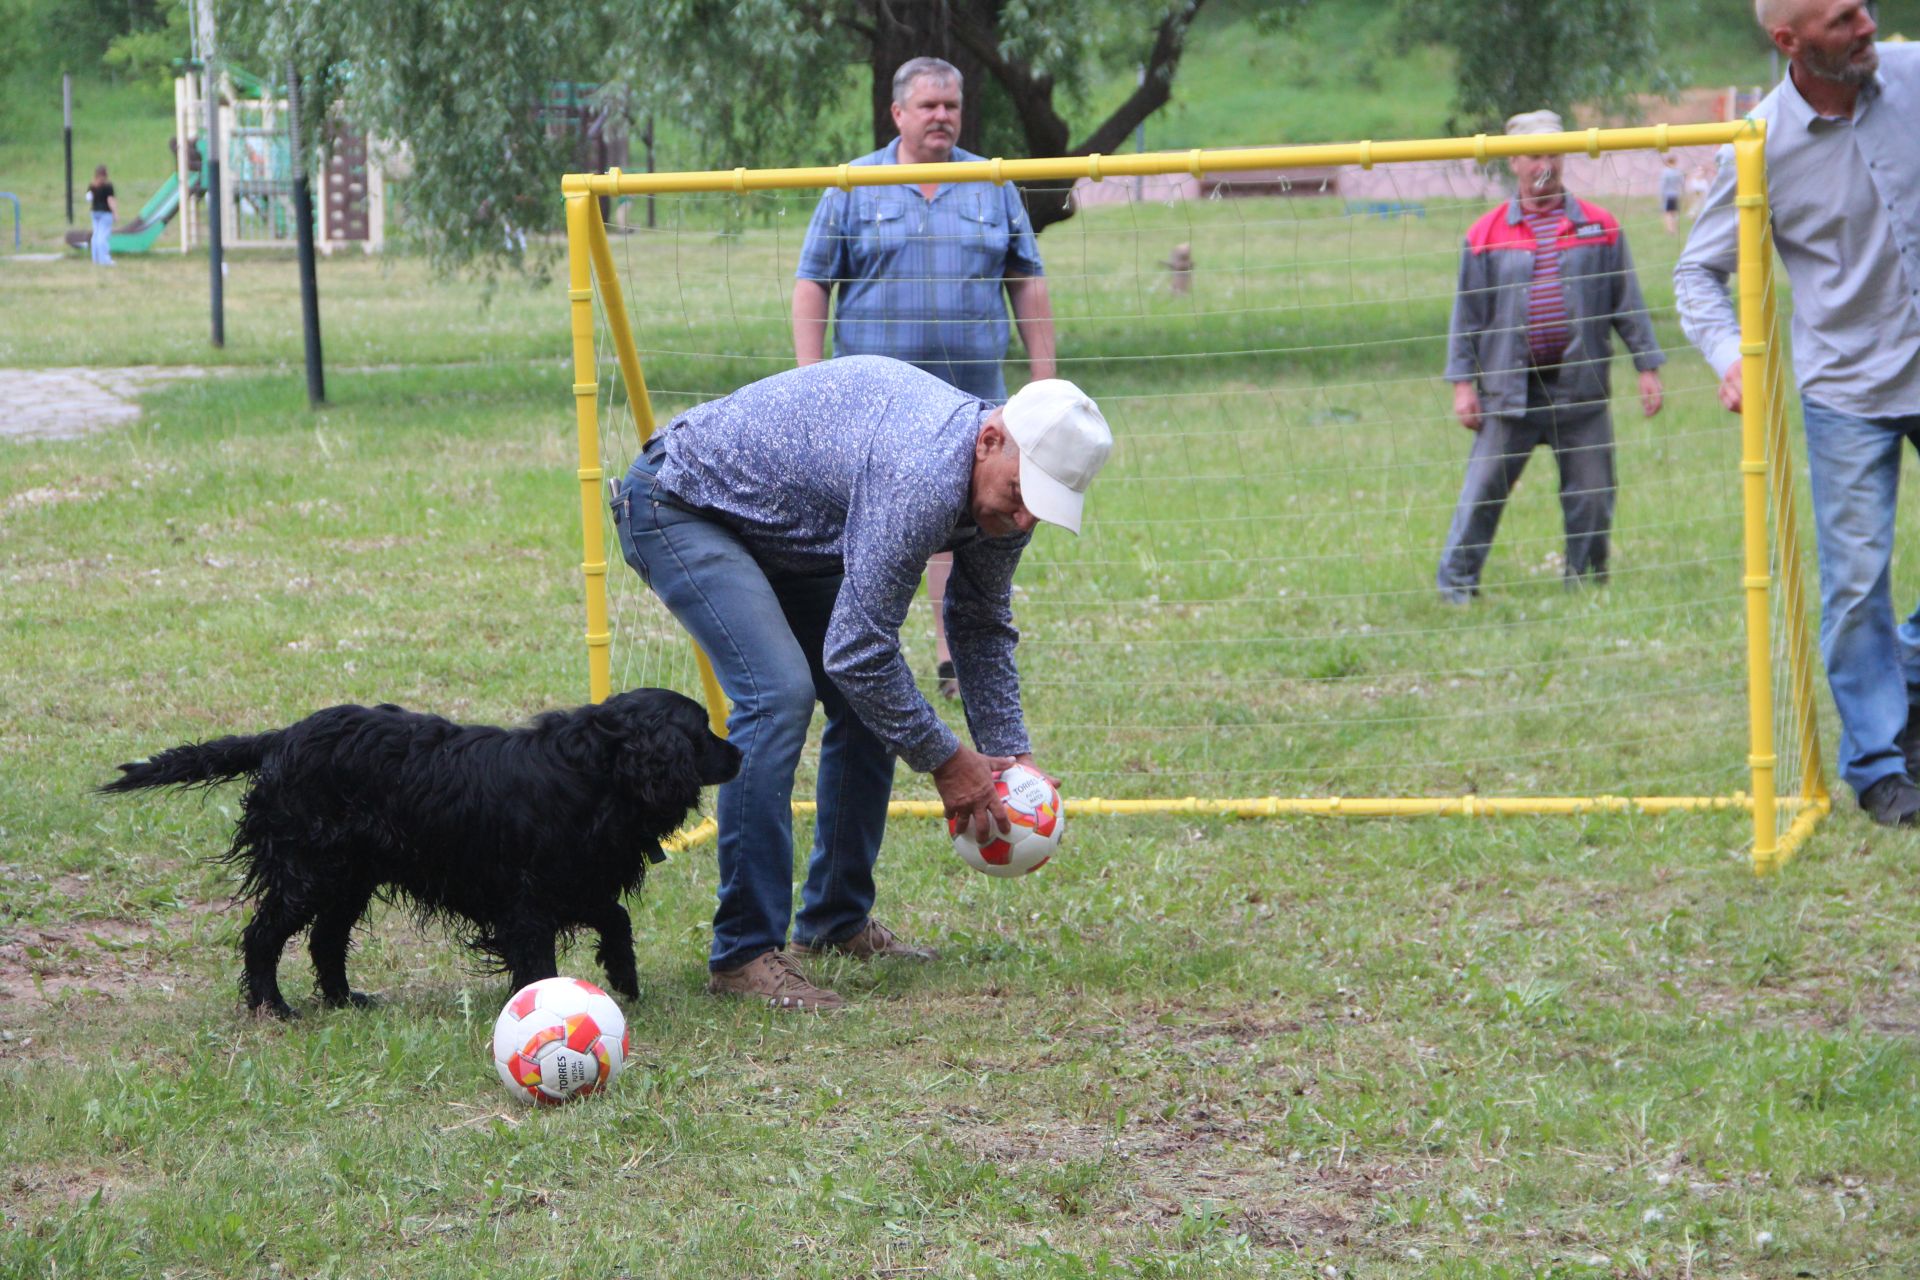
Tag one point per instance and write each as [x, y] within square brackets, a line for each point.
[1493, 232]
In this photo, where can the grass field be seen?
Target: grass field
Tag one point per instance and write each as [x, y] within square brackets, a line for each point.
[1584, 1047]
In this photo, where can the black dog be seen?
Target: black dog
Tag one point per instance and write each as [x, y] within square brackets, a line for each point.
[522, 834]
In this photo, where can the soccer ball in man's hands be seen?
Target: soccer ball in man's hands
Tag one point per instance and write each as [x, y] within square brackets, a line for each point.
[1038, 819]
[559, 1039]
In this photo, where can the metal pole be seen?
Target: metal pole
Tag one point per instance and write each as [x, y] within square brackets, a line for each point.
[303, 226]
[216, 260]
[1751, 198]
[1140, 142]
[66, 116]
[586, 407]
[647, 138]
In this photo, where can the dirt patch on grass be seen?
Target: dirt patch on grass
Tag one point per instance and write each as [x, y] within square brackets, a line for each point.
[34, 1196]
[1013, 1148]
[1210, 1038]
[1177, 1176]
[1896, 1012]
[38, 1189]
[1821, 1005]
[43, 964]
[1298, 1206]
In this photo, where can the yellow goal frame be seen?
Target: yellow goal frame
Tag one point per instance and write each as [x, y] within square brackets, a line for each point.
[1766, 475]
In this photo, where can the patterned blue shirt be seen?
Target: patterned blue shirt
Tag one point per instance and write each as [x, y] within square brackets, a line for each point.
[923, 280]
[864, 465]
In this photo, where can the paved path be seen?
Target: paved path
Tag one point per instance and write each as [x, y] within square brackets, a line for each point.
[62, 404]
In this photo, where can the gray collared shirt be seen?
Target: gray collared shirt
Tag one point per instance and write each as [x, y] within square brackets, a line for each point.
[1844, 196]
[864, 466]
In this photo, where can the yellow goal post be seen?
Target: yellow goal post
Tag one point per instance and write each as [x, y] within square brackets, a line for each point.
[1779, 671]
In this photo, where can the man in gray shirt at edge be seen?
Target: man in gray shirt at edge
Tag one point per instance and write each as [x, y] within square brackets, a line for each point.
[786, 527]
[1843, 193]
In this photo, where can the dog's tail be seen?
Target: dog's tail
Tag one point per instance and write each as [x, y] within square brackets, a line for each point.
[195, 764]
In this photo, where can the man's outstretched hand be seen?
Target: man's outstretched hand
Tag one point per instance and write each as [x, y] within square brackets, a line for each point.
[967, 792]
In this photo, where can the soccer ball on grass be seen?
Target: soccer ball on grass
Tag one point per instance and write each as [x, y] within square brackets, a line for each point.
[1039, 819]
[559, 1039]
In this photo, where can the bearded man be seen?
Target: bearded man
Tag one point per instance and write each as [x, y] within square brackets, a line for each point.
[1843, 194]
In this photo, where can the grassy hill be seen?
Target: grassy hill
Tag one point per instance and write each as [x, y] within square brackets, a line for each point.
[1345, 72]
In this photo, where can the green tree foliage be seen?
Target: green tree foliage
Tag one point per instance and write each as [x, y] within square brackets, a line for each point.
[755, 82]
[147, 54]
[742, 82]
[40, 39]
[1522, 55]
[461, 85]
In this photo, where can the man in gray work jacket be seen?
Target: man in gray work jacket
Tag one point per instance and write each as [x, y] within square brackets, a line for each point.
[786, 527]
[1545, 279]
[1843, 194]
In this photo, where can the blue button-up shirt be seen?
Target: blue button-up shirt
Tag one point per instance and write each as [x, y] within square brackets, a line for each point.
[923, 280]
[1844, 196]
[864, 466]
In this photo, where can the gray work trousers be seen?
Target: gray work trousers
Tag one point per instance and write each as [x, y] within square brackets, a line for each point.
[1581, 437]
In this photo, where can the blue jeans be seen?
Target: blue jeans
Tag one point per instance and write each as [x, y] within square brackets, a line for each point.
[1873, 666]
[764, 633]
[102, 242]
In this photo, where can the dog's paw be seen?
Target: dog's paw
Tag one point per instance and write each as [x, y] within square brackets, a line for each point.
[353, 1000]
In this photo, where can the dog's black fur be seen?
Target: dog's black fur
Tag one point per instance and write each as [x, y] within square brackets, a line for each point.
[516, 836]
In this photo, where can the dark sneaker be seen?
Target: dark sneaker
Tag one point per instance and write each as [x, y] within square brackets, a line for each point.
[776, 978]
[1909, 742]
[949, 680]
[1892, 802]
[871, 941]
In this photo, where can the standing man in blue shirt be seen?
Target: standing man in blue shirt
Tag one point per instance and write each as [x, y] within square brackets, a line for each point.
[786, 527]
[925, 272]
[1843, 194]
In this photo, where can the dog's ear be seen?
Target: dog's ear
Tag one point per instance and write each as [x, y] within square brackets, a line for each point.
[658, 768]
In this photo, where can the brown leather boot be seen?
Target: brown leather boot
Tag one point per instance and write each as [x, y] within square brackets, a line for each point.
[871, 941]
[776, 978]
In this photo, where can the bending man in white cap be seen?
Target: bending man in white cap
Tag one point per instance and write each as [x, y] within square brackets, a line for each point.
[1545, 279]
[786, 527]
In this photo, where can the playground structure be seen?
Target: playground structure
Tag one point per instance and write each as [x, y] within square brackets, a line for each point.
[256, 187]
[256, 183]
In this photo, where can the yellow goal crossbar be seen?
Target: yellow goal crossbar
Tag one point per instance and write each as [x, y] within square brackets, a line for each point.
[1766, 478]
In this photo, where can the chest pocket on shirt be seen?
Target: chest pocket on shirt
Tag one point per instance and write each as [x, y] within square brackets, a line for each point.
[883, 225]
[983, 233]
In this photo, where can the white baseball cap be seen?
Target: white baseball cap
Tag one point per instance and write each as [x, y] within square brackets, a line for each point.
[1535, 122]
[1063, 443]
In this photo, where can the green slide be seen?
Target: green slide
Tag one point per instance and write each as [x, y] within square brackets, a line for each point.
[138, 236]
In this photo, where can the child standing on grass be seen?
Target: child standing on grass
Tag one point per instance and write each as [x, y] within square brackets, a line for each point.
[101, 200]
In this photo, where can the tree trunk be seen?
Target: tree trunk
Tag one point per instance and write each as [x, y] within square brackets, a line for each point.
[904, 29]
[1032, 98]
[966, 33]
